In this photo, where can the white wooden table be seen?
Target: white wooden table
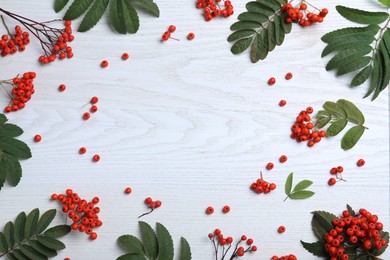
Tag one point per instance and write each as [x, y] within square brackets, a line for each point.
[192, 125]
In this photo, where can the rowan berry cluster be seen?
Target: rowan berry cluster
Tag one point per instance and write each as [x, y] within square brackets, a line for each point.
[167, 35]
[212, 8]
[361, 231]
[21, 92]
[286, 257]
[302, 16]
[226, 243]
[262, 186]
[337, 171]
[302, 129]
[152, 205]
[54, 41]
[12, 43]
[93, 109]
[83, 214]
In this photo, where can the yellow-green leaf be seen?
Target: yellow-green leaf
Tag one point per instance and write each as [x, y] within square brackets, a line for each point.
[77, 8]
[289, 182]
[361, 16]
[93, 15]
[353, 114]
[335, 109]
[300, 195]
[352, 137]
[165, 243]
[385, 2]
[336, 127]
[302, 185]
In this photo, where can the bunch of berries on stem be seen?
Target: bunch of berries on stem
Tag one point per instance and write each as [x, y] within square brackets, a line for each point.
[303, 129]
[152, 205]
[54, 41]
[361, 231]
[222, 245]
[213, 8]
[302, 16]
[286, 257]
[12, 43]
[83, 214]
[337, 171]
[22, 89]
[262, 186]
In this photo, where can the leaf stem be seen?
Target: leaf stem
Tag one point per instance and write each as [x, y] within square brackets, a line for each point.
[147, 213]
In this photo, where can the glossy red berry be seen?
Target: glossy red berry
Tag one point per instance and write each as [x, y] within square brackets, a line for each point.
[93, 236]
[82, 150]
[37, 138]
[331, 181]
[249, 241]
[309, 110]
[226, 209]
[281, 229]
[271, 81]
[282, 103]
[94, 100]
[96, 158]
[270, 166]
[148, 200]
[289, 76]
[93, 109]
[190, 36]
[172, 28]
[104, 64]
[209, 210]
[333, 170]
[62, 87]
[283, 159]
[243, 238]
[340, 169]
[158, 203]
[128, 190]
[361, 162]
[125, 56]
[86, 116]
[254, 248]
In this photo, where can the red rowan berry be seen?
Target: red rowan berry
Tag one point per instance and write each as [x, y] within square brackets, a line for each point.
[37, 138]
[148, 200]
[340, 169]
[229, 240]
[217, 232]
[333, 170]
[209, 210]
[172, 28]
[332, 181]
[309, 110]
[282, 103]
[125, 56]
[128, 190]
[93, 109]
[271, 81]
[82, 150]
[62, 87]
[226, 209]
[103, 64]
[93, 236]
[158, 204]
[249, 241]
[190, 36]
[254, 248]
[86, 116]
[281, 229]
[360, 162]
[94, 100]
[54, 196]
[283, 159]
[289, 76]
[270, 166]
[96, 158]
[243, 238]
[303, 6]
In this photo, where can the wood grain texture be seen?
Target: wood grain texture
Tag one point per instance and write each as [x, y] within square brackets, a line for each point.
[192, 125]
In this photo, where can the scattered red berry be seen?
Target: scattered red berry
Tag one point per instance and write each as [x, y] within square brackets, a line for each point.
[125, 56]
[128, 190]
[93, 109]
[283, 159]
[37, 138]
[270, 166]
[271, 81]
[62, 87]
[86, 116]
[332, 181]
[104, 64]
[94, 100]
[190, 36]
[172, 28]
[281, 229]
[209, 210]
[96, 158]
[226, 209]
[361, 162]
[82, 150]
[282, 103]
[289, 76]
[340, 169]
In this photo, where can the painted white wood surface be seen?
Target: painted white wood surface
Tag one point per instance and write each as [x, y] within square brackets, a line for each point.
[192, 125]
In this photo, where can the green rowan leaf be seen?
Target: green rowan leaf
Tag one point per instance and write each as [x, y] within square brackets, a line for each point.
[77, 8]
[384, 55]
[348, 42]
[353, 114]
[302, 194]
[351, 211]
[323, 118]
[256, 7]
[59, 5]
[279, 33]
[321, 223]
[149, 240]
[273, 4]
[354, 65]
[3, 243]
[343, 58]
[131, 17]
[165, 243]
[240, 34]
[336, 35]
[362, 76]
[376, 76]
[10, 130]
[253, 17]
[42, 249]
[31, 253]
[185, 251]
[19, 255]
[20, 222]
[50, 242]
[289, 182]
[286, 27]
[316, 248]
[271, 36]
[9, 233]
[31, 223]
[131, 244]
[352, 137]
[131, 257]
[58, 231]
[45, 220]
[385, 2]
[336, 127]
[150, 6]
[12, 168]
[93, 15]
[335, 109]
[241, 45]
[361, 16]
[259, 49]
[244, 25]
[302, 185]
[15, 147]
